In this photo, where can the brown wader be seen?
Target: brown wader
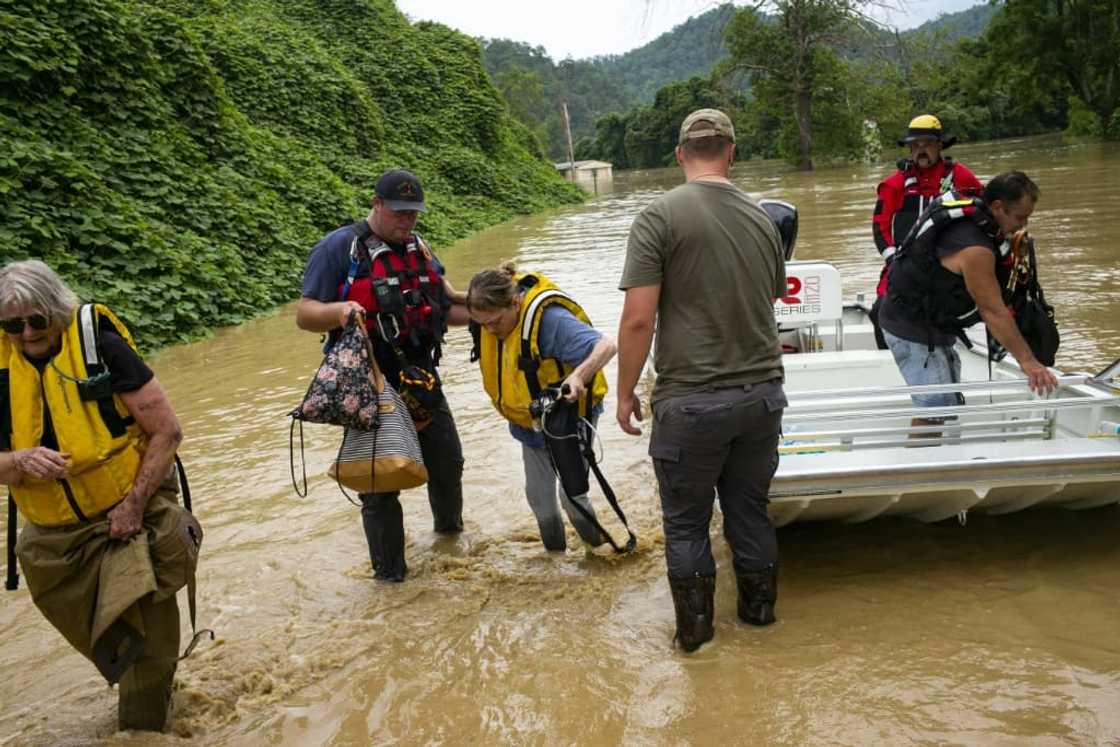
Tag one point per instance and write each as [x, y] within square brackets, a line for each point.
[114, 601]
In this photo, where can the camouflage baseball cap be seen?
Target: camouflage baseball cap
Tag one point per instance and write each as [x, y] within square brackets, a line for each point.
[719, 124]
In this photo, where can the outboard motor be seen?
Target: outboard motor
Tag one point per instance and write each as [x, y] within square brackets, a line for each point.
[784, 216]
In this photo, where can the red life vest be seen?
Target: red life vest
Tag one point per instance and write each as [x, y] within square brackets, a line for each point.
[403, 296]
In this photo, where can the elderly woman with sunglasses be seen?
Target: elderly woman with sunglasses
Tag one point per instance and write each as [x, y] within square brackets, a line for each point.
[87, 444]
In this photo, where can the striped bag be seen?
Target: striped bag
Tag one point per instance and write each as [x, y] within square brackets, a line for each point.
[385, 459]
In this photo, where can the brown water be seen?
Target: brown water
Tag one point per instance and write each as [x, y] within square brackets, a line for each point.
[1004, 631]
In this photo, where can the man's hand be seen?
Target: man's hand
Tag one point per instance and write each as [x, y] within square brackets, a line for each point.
[629, 404]
[125, 518]
[576, 387]
[1039, 378]
[346, 308]
[41, 462]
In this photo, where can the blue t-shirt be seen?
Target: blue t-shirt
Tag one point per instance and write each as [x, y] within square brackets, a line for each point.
[327, 268]
[564, 337]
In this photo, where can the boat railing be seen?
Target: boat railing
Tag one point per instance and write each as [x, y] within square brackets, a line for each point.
[853, 419]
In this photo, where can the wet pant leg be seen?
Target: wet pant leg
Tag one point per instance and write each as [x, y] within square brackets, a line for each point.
[744, 487]
[709, 439]
[443, 457]
[383, 522]
[145, 688]
[540, 492]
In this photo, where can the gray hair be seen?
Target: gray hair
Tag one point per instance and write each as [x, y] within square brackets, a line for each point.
[32, 284]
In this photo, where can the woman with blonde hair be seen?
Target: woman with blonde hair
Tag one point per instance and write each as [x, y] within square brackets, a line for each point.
[532, 338]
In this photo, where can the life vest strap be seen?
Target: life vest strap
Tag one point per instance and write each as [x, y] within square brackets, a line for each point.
[528, 363]
[11, 583]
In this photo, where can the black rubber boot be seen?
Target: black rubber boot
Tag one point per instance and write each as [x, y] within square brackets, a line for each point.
[694, 601]
[758, 593]
[383, 521]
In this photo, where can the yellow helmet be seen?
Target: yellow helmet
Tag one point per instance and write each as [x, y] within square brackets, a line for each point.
[926, 126]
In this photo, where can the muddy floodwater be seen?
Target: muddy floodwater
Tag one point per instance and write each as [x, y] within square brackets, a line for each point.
[1003, 631]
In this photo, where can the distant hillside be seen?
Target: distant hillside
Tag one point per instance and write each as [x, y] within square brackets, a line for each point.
[965, 24]
[534, 85]
[690, 49]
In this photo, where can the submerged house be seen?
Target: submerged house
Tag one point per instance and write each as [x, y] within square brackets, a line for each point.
[594, 176]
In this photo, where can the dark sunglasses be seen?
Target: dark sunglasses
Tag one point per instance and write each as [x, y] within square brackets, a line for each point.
[14, 326]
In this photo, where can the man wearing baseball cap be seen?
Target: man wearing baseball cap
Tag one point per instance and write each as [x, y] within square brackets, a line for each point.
[906, 193]
[380, 268]
[703, 264]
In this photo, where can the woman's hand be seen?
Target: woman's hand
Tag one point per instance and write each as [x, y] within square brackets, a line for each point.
[575, 387]
[41, 462]
[125, 518]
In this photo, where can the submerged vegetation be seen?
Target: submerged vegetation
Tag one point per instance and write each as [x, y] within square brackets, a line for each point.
[176, 159]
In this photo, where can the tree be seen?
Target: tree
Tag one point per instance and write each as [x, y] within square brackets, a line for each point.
[789, 56]
[1074, 42]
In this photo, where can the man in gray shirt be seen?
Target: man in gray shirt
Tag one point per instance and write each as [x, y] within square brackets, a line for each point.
[703, 265]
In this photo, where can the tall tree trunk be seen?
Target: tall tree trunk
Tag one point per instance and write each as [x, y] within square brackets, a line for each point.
[805, 129]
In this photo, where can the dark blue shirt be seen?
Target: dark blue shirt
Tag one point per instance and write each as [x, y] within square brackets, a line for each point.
[566, 338]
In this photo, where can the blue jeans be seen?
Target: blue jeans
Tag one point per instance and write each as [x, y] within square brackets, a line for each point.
[919, 365]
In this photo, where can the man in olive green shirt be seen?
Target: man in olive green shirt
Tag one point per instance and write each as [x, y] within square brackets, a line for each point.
[703, 265]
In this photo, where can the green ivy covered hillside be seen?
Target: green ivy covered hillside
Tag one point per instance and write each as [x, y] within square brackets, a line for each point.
[176, 159]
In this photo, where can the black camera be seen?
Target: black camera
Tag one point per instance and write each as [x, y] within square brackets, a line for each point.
[539, 407]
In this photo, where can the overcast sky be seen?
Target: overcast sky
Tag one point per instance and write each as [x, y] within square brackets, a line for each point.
[587, 28]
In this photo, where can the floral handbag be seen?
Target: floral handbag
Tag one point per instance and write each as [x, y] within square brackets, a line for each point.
[380, 449]
[344, 390]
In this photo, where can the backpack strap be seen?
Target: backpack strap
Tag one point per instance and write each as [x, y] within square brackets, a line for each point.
[97, 386]
[11, 582]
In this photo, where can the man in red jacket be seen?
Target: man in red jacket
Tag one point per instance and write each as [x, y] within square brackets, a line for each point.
[907, 192]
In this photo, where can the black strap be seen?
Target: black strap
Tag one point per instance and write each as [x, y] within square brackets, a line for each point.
[476, 341]
[184, 486]
[588, 450]
[338, 466]
[11, 583]
[292, 457]
[632, 540]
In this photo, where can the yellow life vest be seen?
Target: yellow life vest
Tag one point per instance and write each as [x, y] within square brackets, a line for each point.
[513, 370]
[91, 424]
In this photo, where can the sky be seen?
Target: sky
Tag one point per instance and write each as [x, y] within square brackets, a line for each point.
[589, 28]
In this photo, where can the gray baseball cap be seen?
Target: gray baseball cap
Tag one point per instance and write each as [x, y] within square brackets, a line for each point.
[719, 124]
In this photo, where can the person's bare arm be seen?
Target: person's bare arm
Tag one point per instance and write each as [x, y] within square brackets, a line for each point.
[455, 296]
[635, 336]
[151, 409]
[582, 374]
[977, 265]
[317, 316]
[457, 314]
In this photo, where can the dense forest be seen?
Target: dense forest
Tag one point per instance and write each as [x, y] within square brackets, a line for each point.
[817, 81]
[177, 159]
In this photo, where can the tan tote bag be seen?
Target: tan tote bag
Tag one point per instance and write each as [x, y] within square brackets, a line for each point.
[387, 458]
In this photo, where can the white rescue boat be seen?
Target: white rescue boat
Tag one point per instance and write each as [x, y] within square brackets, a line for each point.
[850, 452]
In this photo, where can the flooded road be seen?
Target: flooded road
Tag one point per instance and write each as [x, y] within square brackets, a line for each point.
[1003, 631]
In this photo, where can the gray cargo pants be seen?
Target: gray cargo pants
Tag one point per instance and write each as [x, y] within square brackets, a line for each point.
[723, 440]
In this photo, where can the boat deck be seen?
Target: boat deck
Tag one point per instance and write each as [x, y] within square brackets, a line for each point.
[851, 450]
